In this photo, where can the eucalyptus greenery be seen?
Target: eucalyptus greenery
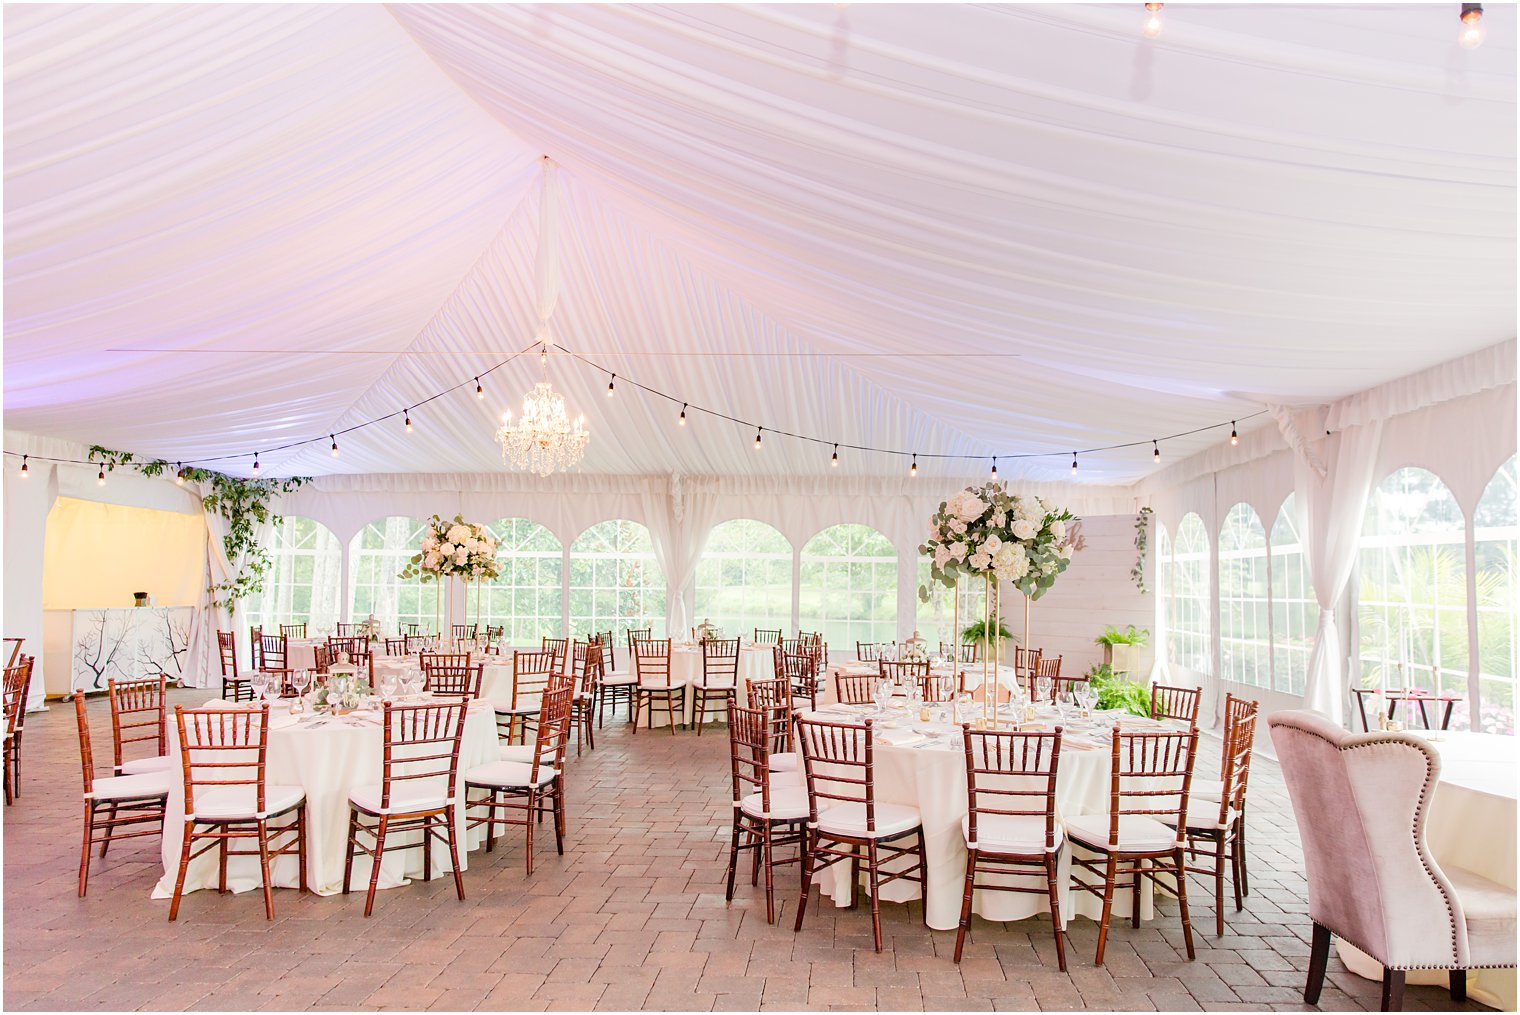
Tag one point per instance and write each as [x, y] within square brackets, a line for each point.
[1142, 541]
[244, 503]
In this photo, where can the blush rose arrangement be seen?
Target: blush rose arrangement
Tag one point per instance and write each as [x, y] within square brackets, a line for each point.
[987, 532]
[454, 549]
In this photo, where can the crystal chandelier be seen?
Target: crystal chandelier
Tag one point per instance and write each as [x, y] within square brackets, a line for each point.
[544, 439]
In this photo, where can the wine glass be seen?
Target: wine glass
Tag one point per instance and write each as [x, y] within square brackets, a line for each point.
[301, 681]
[388, 682]
[883, 694]
[1042, 689]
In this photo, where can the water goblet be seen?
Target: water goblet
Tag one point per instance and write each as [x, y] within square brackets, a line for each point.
[883, 694]
[388, 682]
[1042, 689]
[301, 681]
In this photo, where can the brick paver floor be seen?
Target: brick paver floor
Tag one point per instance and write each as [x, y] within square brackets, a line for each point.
[632, 917]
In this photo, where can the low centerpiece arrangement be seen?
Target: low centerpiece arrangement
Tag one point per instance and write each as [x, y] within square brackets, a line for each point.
[458, 550]
[986, 532]
[343, 692]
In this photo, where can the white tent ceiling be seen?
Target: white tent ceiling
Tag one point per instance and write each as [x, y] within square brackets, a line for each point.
[945, 229]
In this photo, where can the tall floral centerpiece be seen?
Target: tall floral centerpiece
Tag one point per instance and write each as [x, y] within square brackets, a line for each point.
[986, 532]
[459, 550]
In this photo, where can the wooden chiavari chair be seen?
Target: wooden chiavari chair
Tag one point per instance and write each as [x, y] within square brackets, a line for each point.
[240, 682]
[427, 661]
[127, 800]
[273, 657]
[535, 787]
[343, 630]
[938, 688]
[766, 814]
[1236, 711]
[1041, 668]
[17, 687]
[463, 632]
[855, 688]
[413, 630]
[800, 670]
[1010, 825]
[774, 697]
[719, 680]
[637, 634]
[396, 647]
[293, 630]
[455, 680]
[968, 651]
[214, 745]
[531, 672]
[416, 792]
[1214, 819]
[793, 646]
[766, 636]
[560, 647]
[867, 651]
[321, 661]
[413, 644]
[357, 649]
[139, 716]
[846, 823]
[613, 685]
[586, 671]
[1175, 702]
[12, 650]
[656, 686]
[1023, 658]
[1142, 835]
[903, 673]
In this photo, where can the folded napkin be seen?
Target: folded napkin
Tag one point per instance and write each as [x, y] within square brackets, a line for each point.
[899, 738]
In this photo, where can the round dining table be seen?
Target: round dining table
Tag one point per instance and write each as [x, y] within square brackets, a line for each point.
[1471, 825]
[923, 765]
[328, 757]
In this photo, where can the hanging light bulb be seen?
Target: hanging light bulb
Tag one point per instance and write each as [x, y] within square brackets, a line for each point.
[543, 355]
[1153, 23]
[914, 470]
[1471, 34]
[179, 474]
[682, 418]
[611, 385]
[834, 462]
[335, 444]
[1155, 452]
[1234, 437]
[255, 463]
[480, 392]
[994, 467]
[757, 438]
[24, 469]
[408, 421]
[1073, 463]
[100, 480]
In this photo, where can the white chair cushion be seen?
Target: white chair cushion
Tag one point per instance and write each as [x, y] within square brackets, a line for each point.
[520, 710]
[618, 679]
[1203, 814]
[792, 778]
[1488, 909]
[407, 795]
[784, 763]
[522, 753]
[232, 803]
[1206, 789]
[716, 684]
[656, 685]
[144, 766]
[131, 787]
[1022, 834]
[1138, 833]
[850, 819]
[507, 775]
[788, 803]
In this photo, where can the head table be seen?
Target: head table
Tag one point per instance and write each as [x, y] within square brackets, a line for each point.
[923, 765]
[328, 758]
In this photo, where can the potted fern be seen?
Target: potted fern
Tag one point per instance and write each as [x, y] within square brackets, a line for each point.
[1115, 692]
[976, 634]
[1121, 649]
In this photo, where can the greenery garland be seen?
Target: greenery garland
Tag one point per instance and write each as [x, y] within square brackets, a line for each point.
[244, 503]
[1142, 541]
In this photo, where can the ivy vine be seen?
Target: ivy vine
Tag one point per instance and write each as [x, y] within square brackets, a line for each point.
[243, 503]
[1142, 541]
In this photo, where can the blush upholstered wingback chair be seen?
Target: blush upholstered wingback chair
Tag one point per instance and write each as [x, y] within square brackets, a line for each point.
[1360, 800]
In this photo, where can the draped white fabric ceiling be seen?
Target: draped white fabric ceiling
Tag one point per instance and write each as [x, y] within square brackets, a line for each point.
[964, 229]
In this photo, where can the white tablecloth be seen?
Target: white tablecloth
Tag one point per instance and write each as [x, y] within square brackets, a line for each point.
[1471, 824]
[1007, 676]
[756, 662]
[933, 779]
[327, 761]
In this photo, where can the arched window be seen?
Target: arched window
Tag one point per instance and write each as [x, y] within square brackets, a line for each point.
[1187, 602]
[525, 597]
[1161, 554]
[744, 579]
[302, 584]
[1244, 647]
[1295, 612]
[848, 586]
[935, 620]
[1494, 545]
[377, 556]
[615, 582]
[1413, 602]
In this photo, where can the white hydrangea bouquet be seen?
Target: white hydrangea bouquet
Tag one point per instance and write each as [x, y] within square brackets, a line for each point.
[343, 692]
[455, 549]
[986, 532]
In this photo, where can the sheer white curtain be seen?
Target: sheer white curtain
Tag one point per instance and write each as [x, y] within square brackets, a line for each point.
[205, 668]
[678, 526]
[1331, 509]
